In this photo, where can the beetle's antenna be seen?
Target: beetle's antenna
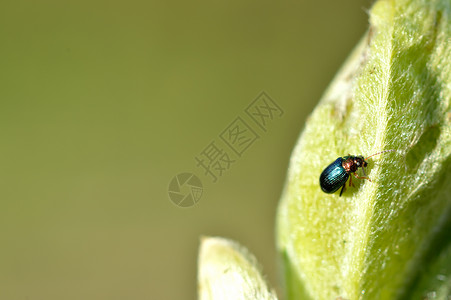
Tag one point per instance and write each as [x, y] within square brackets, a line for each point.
[380, 153]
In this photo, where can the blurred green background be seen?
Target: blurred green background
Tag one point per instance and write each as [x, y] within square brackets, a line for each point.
[103, 102]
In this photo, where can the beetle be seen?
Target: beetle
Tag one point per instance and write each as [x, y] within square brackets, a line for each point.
[335, 175]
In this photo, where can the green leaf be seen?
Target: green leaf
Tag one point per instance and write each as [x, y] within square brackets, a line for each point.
[435, 280]
[380, 237]
[228, 271]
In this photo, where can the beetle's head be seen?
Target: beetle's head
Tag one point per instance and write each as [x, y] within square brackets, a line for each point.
[360, 162]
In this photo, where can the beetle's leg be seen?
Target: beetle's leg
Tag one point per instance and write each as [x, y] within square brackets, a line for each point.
[363, 170]
[361, 177]
[342, 189]
[350, 181]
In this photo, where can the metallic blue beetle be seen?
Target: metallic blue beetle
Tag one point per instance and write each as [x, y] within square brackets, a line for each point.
[337, 173]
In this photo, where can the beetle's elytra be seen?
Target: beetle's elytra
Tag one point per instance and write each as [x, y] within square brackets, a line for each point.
[337, 173]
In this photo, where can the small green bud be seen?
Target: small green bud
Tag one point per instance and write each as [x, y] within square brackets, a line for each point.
[228, 271]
